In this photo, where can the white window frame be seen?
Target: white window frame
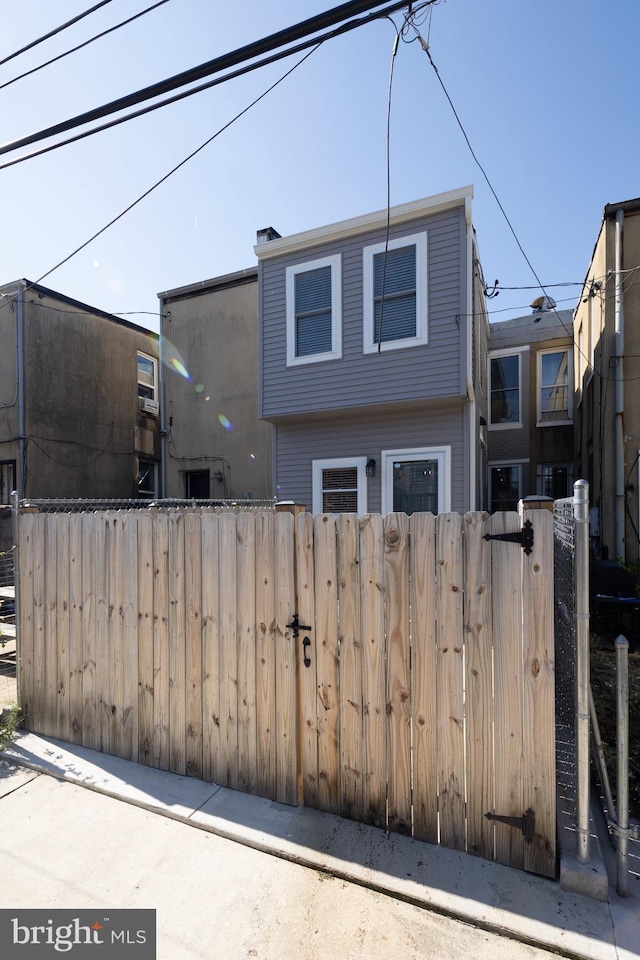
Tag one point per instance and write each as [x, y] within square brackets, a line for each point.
[411, 454]
[335, 262]
[496, 355]
[337, 463]
[496, 465]
[154, 362]
[419, 240]
[554, 423]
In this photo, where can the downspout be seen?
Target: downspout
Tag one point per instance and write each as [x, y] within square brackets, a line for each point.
[471, 409]
[163, 426]
[22, 447]
[619, 415]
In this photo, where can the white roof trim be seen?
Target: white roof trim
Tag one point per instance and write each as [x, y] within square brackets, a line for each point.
[369, 221]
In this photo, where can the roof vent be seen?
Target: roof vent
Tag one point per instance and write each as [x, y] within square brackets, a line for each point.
[263, 236]
[540, 304]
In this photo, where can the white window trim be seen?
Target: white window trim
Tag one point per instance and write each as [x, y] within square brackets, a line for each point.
[153, 360]
[497, 464]
[554, 423]
[317, 466]
[441, 454]
[335, 262]
[419, 240]
[495, 355]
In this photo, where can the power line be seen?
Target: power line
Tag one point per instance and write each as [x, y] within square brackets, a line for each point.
[86, 43]
[52, 33]
[300, 30]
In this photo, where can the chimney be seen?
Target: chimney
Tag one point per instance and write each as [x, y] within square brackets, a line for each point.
[263, 236]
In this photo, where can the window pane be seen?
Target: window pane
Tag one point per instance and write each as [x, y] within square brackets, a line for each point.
[415, 486]
[146, 478]
[340, 490]
[554, 386]
[395, 272]
[554, 480]
[145, 370]
[313, 312]
[505, 389]
[505, 488]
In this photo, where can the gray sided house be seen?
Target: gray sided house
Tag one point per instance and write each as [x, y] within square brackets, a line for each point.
[213, 444]
[373, 360]
[78, 399]
[530, 424]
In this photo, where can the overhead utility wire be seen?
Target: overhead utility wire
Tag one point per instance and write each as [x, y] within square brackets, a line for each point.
[86, 43]
[52, 33]
[241, 55]
[172, 171]
[241, 71]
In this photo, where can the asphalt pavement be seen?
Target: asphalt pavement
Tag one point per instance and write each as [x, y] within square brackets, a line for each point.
[234, 876]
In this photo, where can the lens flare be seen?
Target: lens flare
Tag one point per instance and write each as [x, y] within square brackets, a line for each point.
[172, 359]
[199, 388]
[225, 423]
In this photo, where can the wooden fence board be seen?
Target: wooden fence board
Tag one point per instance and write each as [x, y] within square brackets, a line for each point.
[266, 656]
[506, 578]
[161, 680]
[145, 639]
[27, 560]
[193, 643]
[129, 716]
[373, 686]
[116, 641]
[327, 657]
[75, 628]
[62, 722]
[228, 652]
[424, 660]
[478, 685]
[90, 715]
[539, 695]
[211, 750]
[177, 654]
[286, 699]
[246, 633]
[351, 720]
[50, 706]
[451, 770]
[39, 630]
[307, 676]
[398, 710]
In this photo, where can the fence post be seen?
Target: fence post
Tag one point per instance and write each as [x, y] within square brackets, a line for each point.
[622, 714]
[581, 520]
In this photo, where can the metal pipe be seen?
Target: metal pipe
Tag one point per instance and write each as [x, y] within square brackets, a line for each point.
[622, 712]
[22, 449]
[602, 763]
[619, 395]
[163, 418]
[15, 508]
[581, 538]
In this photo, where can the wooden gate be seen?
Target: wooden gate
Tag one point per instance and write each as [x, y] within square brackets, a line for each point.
[396, 670]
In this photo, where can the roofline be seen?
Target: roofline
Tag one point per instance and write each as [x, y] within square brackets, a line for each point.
[368, 221]
[627, 206]
[78, 304]
[215, 283]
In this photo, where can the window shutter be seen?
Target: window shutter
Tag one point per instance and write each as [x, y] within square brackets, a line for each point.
[313, 312]
[398, 320]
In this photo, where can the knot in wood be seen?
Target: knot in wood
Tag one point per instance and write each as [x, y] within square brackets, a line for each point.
[392, 538]
[535, 668]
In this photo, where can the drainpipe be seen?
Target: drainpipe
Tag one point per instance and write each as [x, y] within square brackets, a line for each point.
[163, 426]
[22, 449]
[619, 415]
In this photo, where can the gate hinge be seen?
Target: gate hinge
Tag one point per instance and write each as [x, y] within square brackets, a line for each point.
[526, 824]
[524, 537]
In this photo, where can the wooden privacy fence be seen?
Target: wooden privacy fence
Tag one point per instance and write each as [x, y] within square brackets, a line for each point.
[396, 670]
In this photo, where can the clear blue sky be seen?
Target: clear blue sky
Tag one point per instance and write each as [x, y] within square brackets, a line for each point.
[547, 92]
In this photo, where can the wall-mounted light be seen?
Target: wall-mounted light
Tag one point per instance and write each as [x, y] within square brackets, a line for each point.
[370, 468]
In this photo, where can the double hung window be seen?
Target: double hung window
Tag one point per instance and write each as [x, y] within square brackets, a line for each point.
[505, 389]
[314, 311]
[395, 293]
[554, 400]
[339, 486]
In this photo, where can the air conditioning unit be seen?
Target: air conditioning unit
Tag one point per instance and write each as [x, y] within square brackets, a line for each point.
[148, 406]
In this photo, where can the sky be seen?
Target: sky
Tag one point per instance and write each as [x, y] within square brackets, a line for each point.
[546, 91]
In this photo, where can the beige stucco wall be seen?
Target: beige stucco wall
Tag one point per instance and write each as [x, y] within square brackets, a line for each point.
[212, 417]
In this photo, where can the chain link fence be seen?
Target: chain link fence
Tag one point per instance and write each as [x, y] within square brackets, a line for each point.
[564, 612]
[97, 505]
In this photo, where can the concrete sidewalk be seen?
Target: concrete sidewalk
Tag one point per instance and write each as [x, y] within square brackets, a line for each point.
[494, 898]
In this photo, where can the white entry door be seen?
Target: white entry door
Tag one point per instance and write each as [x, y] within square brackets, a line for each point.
[416, 481]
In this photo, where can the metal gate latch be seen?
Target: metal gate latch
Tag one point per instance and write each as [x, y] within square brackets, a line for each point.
[526, 824]
[524, 537]
[296, 626]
